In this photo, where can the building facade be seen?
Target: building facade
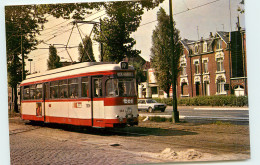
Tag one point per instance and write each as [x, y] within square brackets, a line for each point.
[213, 66]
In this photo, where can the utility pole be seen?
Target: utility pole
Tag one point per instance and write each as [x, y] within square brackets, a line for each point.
[175, 113]
[22, 53]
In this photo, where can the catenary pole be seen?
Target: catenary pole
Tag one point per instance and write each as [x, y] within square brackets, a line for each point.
[175, 113]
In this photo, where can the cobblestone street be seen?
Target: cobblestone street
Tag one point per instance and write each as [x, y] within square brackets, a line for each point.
[31, 148]
[150, 142]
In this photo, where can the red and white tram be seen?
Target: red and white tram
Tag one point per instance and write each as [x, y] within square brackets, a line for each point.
[85, 94]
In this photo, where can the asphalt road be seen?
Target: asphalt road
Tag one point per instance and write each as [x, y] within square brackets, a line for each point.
[234, 115]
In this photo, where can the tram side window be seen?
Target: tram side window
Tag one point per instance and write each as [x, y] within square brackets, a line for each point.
[63, 86]
[26, 92]
[54, 90]
[32, 92]
[39, 91]
[84, 87]
[98, 87]
[73, 88]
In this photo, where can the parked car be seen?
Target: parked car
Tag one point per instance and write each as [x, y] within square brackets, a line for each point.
[150, 105]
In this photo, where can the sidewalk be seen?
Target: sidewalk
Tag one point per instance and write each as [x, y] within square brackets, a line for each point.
[209, 108]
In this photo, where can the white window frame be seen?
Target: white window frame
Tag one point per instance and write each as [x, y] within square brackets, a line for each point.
[205, 47]
[196, 64]
[221, 87]
[205, 63]
[220, 64]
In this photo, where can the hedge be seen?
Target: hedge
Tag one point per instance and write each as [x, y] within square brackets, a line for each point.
[208, 101]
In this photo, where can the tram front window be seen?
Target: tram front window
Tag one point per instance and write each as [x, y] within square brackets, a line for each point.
[120, 87]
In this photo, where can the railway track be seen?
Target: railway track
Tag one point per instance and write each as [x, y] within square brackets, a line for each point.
[133, 134]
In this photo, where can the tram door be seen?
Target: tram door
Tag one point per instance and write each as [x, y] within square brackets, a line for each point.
[97, 102]
[44, 98]
[40, 104]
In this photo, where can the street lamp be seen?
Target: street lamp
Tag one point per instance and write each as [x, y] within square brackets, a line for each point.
[30, 64]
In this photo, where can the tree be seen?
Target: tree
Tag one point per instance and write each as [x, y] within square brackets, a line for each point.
[22, 23]
[86, 51]
[239, 9]
[114, 31]
[54, 59]
[161, 54]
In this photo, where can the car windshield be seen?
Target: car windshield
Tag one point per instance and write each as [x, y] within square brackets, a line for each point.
[120, 87]
[151, 101]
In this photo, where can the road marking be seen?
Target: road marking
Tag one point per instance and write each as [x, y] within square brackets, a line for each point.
[196, 117]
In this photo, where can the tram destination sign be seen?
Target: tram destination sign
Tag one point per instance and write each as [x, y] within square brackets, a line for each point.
[125, 74]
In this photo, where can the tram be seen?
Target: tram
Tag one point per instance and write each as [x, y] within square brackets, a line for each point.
[86, 94]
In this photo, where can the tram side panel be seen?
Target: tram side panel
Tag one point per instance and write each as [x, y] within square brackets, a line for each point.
[56, 112]
[79, 113]
[32, 110]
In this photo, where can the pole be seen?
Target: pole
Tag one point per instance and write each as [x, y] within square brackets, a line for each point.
[175, 113]
[101, 43]
[22, 57]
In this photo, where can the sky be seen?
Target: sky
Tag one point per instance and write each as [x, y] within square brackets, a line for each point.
[252, 30]
[194, 19]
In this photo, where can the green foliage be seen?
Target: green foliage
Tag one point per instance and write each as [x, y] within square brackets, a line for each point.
[22, 24]
[114, 31]
[54, 60]
[160, 119]
[86, 51]
[161, 52]
[208, 101]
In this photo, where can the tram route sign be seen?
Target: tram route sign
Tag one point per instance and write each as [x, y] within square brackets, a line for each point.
[124, 65]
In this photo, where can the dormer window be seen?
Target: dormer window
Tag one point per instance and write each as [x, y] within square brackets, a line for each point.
[196, 49]
[205, 47]
[219, 44]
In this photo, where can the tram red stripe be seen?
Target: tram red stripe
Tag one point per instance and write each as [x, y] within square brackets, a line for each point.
[107, 101]
[75, 121]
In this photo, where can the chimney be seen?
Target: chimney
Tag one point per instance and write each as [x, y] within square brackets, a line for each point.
[210, 35]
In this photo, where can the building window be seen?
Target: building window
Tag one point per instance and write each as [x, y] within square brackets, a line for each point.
[184, 89]
[219, 44]
[196, 64]
[220, 86]
[205, 47]
[205, 66]
[183, 69]
[220, 66]
[197, 85]
[196, 49]
[206, 88]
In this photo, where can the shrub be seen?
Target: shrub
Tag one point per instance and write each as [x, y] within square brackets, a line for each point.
[208, 101]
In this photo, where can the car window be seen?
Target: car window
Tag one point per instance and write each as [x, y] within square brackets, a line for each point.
[141, 101]
[151, 101]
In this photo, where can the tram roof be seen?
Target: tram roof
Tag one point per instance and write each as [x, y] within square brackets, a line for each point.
[75, 69]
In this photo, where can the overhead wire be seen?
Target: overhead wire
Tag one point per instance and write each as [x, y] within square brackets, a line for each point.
[188, 9]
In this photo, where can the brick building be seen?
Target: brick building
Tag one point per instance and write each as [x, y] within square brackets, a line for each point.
[213, 66]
